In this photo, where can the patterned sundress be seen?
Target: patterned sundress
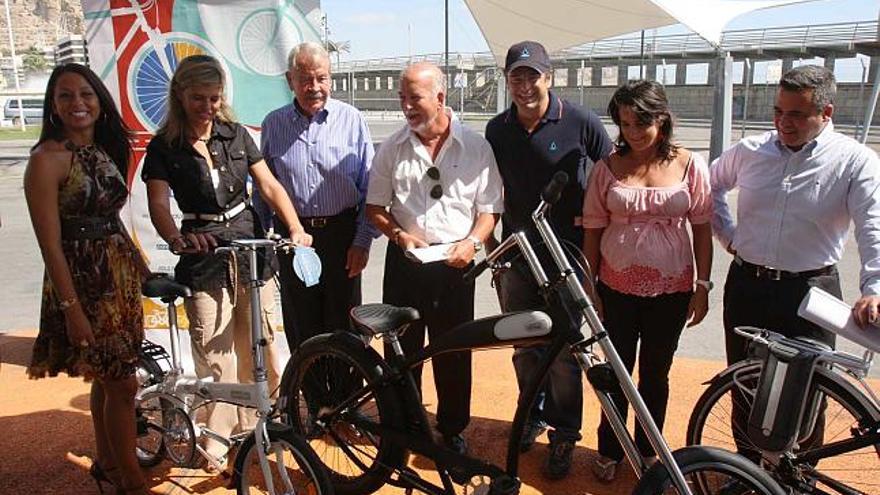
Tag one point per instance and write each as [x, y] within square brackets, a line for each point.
[106, 275]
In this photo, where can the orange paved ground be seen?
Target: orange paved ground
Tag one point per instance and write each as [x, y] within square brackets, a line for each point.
[46, 440]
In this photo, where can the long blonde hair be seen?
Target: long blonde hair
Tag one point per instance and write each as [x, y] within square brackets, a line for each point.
[193, 71]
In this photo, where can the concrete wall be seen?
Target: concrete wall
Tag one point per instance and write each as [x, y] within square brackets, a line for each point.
[687, 101]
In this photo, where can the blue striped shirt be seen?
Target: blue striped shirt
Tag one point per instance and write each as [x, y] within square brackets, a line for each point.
[322, 162]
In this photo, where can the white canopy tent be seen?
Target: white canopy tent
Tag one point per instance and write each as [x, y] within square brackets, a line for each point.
[560, 24]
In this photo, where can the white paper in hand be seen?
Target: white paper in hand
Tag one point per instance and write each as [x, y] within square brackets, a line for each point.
[430, 254]
[834, 315]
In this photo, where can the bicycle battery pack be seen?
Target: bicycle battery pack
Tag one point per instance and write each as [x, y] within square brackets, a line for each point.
[782, 397]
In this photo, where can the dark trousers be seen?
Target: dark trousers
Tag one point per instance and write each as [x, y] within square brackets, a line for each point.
[322, 308]
[444, 301]
[657, 322]
[559, 402]
[772, 305]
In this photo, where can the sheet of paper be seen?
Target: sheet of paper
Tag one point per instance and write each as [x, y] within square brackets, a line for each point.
[429, 254]
[834, 315]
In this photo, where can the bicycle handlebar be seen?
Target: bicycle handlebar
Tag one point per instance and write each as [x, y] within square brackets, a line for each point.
[476, 271]
[764, 337]
[553, 190]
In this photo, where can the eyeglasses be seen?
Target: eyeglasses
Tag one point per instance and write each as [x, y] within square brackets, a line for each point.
[434, 174]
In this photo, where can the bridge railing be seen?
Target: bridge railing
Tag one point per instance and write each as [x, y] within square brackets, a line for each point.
[799, 38]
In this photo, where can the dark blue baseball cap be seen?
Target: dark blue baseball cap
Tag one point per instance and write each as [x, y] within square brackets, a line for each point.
[527, 54]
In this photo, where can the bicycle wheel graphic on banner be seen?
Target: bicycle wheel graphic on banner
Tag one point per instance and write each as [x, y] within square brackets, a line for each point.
[264, 39]
[151, 73]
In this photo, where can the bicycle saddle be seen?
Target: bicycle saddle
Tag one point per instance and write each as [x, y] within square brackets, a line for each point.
[164, 287]
[376, 319]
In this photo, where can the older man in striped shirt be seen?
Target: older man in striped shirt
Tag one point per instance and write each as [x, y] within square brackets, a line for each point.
[320, 150]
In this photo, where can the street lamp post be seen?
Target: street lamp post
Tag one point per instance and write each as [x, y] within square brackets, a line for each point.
[14, 65]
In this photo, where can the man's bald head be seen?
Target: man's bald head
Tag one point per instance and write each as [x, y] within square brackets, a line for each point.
[421, 71]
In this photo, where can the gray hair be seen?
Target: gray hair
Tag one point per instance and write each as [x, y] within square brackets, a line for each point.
[310, 48]
[438, 79]
[812, 77]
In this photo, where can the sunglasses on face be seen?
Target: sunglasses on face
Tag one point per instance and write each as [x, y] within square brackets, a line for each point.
[434, 174]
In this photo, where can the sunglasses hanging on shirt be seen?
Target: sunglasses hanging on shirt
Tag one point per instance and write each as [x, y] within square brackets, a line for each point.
[434, 174]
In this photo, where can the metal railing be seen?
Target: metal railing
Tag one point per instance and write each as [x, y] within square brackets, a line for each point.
[794, 38]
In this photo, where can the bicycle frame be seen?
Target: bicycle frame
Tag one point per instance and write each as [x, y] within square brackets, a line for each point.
[568, 287]
[192, 393]
[832, 363]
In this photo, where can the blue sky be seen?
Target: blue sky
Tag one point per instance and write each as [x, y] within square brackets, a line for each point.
[379, 28]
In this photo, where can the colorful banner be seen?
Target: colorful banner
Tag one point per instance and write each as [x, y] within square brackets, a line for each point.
[135, 45]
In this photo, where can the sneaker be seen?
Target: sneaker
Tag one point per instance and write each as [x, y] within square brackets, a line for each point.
[531, 433]
[456, 443]
[558, 462]
[604, 468]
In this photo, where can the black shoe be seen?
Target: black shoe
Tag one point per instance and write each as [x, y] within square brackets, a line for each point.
[531, 433]
[558, 462]
[456, 443]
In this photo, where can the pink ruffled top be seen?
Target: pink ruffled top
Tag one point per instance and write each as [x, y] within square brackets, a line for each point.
[645, 248]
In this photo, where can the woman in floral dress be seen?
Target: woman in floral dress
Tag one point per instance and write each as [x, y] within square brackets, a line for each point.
[91, 315]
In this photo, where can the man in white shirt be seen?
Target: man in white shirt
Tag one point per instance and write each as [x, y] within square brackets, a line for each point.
[799, 187]
[434, 182]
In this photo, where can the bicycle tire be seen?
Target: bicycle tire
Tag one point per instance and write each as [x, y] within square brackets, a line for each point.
[848, 413]
[710, 471]
[150, 441]
[303, 472]
[362, 462]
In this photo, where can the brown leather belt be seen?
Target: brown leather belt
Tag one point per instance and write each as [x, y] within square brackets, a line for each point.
[84, 228]
[765, 272]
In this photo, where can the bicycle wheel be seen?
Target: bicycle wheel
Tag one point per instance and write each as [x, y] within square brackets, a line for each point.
[327, 370]
[848, 415]
[294, 466]
[150, 443]
[710, 471]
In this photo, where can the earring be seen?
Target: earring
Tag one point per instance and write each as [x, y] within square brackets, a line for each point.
[52, 120]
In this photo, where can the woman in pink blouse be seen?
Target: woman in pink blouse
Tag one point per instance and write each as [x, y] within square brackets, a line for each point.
[636, 208]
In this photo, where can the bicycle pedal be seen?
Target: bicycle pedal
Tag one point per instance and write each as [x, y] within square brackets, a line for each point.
[601, 377]
[459, 475]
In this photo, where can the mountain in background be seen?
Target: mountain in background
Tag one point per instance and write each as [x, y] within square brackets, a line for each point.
[39, 23]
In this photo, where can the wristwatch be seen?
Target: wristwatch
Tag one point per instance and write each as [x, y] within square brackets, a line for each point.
[706, 284]
[478, 244]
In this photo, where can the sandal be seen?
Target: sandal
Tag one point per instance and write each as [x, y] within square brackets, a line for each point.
[103, 475]
[217, 465]
[604, 468]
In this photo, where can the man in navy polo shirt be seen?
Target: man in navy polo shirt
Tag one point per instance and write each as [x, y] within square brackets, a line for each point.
[537, 136]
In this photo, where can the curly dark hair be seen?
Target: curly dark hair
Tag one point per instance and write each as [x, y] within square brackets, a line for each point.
[648, 100]
[111, 133]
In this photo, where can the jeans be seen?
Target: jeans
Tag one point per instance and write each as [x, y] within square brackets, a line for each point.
[560, 401]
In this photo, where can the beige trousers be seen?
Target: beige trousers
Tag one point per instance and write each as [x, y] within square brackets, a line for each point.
[221, 349]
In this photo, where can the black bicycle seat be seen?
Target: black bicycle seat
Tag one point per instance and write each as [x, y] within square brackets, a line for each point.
[164, 287]
[376, 319]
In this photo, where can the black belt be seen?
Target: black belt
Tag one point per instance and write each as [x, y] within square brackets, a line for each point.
[77, 228]
[765, 272]
[321, 222]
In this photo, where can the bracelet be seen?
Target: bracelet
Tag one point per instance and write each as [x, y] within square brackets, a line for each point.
[66, 304]
[395, 235]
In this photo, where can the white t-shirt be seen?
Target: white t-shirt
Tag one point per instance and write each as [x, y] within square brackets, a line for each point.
[468, 175]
